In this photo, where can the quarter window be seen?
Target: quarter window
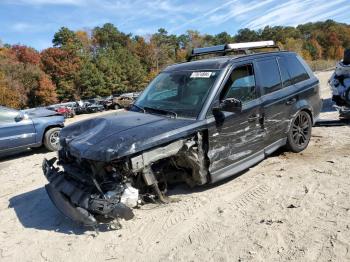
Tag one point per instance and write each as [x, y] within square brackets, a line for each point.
[296, 70]
[270, 75]
[241, 84]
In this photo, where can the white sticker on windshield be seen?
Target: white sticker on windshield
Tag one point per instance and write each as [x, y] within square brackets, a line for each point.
[201, 74]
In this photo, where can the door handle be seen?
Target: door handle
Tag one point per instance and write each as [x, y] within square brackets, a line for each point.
[253, 118]
[291, 101]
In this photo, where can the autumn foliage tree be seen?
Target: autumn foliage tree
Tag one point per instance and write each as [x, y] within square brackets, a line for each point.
[62, 66]
[26, 54]
[8, 96]
[46, 91]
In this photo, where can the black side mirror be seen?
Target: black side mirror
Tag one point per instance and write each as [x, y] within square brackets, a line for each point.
[232, 105]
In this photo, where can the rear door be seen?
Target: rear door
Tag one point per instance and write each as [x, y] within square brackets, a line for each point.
[15, 134]
[236, 136]
[278, 97]
[306, 85]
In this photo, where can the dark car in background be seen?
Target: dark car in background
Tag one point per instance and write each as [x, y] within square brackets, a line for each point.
[197, 122]
[29, 128]
[87, 107]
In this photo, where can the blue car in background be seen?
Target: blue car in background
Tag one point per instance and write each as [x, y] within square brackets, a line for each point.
[30, 128]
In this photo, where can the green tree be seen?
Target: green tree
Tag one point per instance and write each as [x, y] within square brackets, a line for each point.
[90, 82]
[223, 38]
[67, 39]
[247, 35]
[108, 36]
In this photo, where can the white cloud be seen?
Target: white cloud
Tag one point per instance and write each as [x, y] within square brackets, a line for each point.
[240, 9]
[20, 27]
[203, 16]
[49, 2]
[297, 12]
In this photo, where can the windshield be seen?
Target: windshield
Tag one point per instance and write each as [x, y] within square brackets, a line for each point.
[7, 114]
[179, 93]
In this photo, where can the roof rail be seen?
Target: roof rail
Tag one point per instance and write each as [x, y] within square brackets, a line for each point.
[246, 48]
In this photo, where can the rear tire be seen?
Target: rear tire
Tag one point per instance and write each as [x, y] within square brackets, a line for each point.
[51, 139]
[299, 134]
[116, 107]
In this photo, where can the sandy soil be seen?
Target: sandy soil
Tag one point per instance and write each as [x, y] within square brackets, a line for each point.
[289, 207]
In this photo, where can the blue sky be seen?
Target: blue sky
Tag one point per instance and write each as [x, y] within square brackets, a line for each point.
[33, 22]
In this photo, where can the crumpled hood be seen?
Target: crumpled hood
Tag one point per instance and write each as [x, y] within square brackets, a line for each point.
[116, 135]
[39, 112]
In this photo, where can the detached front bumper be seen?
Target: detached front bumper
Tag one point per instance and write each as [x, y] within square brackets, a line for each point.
[78, 204]
[67, 197]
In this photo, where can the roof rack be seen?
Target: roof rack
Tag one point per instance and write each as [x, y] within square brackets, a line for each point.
[246, 48]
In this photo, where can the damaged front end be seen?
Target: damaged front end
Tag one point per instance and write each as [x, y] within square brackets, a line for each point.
[86, 197]
[92, 192]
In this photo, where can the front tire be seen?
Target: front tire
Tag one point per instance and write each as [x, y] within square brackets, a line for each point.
[299, 134]
[51, 139]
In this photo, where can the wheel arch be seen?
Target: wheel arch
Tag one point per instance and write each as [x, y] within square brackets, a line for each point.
[47, 129]
[303, 105]
[308, 110]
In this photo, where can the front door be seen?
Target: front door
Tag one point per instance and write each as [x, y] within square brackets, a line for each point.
[237, 136]
[14, 132]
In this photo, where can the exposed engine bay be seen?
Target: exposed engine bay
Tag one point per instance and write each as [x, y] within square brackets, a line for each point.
[91, 192]
[340, 85]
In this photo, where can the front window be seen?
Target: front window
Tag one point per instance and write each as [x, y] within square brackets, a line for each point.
[178, 94]
[241, 84]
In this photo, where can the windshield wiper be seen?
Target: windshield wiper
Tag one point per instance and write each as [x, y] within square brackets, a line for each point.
[162, 111]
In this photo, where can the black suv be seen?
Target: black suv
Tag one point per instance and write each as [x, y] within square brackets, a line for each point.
[198, 122]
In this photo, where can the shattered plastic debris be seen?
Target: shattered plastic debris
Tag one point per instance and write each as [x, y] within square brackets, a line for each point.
[130, 196]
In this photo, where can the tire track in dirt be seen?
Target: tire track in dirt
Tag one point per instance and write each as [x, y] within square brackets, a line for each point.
[197, 225]
[204, 229]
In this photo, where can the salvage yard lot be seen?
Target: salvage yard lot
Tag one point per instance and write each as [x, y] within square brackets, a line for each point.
[288, 207]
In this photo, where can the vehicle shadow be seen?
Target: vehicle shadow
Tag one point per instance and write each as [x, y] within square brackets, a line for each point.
[328, 106]
[23, 153]
[34, 209]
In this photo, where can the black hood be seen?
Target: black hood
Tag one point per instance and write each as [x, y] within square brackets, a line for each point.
[120, 134]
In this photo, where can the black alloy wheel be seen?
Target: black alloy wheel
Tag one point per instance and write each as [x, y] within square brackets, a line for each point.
[299, 134]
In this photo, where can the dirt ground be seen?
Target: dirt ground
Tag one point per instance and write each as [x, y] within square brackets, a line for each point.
[289, 207]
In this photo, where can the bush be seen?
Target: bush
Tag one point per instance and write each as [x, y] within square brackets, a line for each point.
[322, 65]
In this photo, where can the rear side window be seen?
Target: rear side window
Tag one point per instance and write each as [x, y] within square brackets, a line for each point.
[286, 81]
[296, 70]
[269, 75]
